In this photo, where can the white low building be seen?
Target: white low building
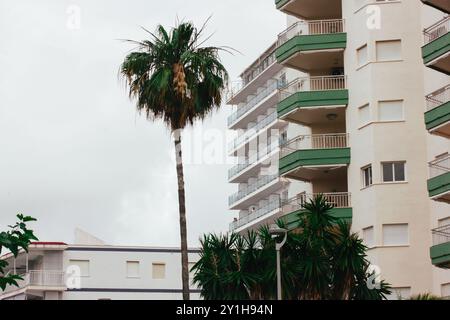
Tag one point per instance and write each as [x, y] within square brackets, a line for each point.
[60, 271]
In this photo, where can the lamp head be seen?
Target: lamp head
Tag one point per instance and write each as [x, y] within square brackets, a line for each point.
[276, 231]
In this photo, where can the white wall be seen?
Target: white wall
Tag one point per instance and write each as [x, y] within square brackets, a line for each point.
[107, 270]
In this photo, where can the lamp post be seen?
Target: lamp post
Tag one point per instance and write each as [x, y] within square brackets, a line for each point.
[275, 231]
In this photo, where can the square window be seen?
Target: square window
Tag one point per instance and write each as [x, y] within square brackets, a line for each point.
[393, 171]
[133, 269]
[158, 270]
[390, 110]
[390, 50]
[83, 266]
[395, 234]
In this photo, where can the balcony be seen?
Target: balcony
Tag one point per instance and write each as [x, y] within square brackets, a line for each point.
[311, 9]
[439, 182]
[251, 165]
[38, 281]
[313, 100]
[436, 51]
[258, 217]
[437, 117]
[261, 188]
[443, 5]
[440, 251]
[310, 45]
[256, 75]
[341, 202]
[270, 122]
[312, 157]
[255, 106]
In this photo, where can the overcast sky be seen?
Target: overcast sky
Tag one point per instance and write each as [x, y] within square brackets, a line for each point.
[73, 151]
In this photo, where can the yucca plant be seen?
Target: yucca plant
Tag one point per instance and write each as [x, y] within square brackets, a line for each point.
[172, 77]
[322, 259]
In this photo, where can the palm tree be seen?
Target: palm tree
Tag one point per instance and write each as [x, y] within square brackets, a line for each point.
[322, 259]
[173, 78]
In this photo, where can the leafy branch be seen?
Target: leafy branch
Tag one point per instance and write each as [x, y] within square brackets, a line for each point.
[17, 237]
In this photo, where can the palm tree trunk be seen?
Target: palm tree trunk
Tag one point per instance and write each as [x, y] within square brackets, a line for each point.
[182, 211]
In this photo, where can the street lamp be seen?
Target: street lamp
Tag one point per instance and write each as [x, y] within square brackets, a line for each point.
[276, 232]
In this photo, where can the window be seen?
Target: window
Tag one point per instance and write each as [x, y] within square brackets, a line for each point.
[368, 237]
[445, 290]
[364, 114]
[367, 176]
[400, 293]
[393, 171]
[283, 80]
[395, 234]
[390, 110]
[83, 265]
[389, 50]
[133, 269]
[158, 270]
[362, 55]
[283, 137]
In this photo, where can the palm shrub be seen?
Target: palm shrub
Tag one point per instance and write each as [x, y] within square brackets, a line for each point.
[322, 259]
[172, 77]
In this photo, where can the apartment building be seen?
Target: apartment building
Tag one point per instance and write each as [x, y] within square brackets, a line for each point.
[436, 57]
[58, 271]
[347, 80]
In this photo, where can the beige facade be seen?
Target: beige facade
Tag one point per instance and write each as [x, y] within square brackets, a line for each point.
[352, 99]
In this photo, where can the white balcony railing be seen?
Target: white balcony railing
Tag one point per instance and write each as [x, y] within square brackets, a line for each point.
[39, 279]
[319, 83]
[437, 30]
[253, 159]
[439, 166]
[437, 98]
[258, 67]
[253, 131]
[253, 102]
[312, 27]
[47, 278]
[315, 141]
[258, 184]
[336, 199]
[271, 206]
[441, 235]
